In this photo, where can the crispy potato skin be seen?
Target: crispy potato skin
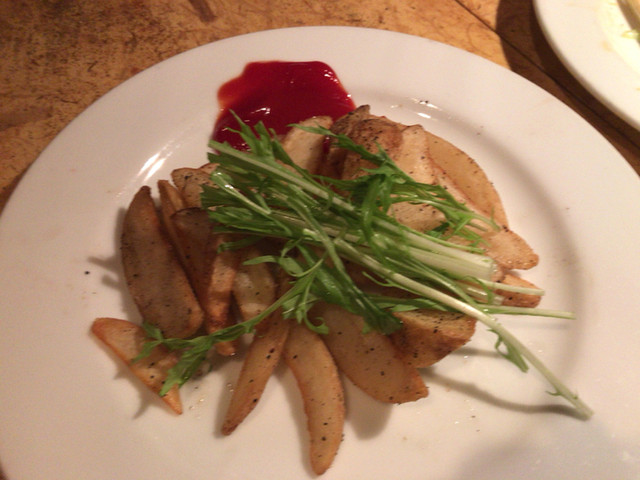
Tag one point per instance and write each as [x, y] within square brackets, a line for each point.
[468, 176]
[219, 285]
[170, 200]
[262, 357]
[189, 183]
[370, 360]
[319, 382]
[518, 299]
[260, 360]
[156, 280]
[192, 239]
[427, 336]
[211, 273]
[254, 286]
[425, 158]
[304, 148]
[125, 339]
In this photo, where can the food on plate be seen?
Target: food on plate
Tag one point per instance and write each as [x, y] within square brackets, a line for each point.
[305, 149]
[126, 341]
[189, 181]
[318, 379]
[211, 272]
[254, 287]
[264, 352]
[431, 160]
[429, 335]
[155, 278]
[370, 360]
[369, 259]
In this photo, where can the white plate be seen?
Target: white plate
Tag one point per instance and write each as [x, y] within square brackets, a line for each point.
[591, 38]
[70, 411]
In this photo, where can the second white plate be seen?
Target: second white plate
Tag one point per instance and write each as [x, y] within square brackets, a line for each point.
[591, 38]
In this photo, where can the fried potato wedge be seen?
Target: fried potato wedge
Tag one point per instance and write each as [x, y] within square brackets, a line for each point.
[189, 183]
[254, 286]
[262, 357]
[219, 293]
[170, 199]
[321, 388]
[468, 176]
[125, 339]
[509, 249]
[170, 202]
[370, 360]
[155, 278]
[412, 149]
[518, 299]
[428, 336]
[211, 272]
[305, 148]
[333, 166]
[195, 244]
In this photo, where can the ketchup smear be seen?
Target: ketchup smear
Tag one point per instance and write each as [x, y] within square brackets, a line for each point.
[279, 94]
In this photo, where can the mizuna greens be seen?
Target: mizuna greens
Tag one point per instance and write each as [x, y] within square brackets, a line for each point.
[261, 193]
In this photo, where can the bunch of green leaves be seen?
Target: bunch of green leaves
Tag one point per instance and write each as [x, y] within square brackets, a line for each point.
[260, 192]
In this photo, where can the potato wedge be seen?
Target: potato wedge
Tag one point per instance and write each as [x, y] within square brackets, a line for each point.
[319, 382]
[189, 183]
[211, 272]
[413, 150]
[170, 199]
[428, 336]
[254, 286]
[157, 282]
[125, 339]
[219, 292]
[370, 360]
[518, 299]
[195, 244]
[509, 249]
[262, 357]
[467, 175]
[305, 148]
[170, 202]
[333, 166]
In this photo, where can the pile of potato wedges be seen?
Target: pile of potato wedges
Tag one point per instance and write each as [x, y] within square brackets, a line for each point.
[185, 285]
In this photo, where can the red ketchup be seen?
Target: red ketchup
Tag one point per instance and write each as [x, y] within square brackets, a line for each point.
[279, 94]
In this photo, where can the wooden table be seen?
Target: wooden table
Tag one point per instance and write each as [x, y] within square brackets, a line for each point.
[58, 56]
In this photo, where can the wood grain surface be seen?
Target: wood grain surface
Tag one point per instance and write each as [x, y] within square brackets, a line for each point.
[59, 56]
